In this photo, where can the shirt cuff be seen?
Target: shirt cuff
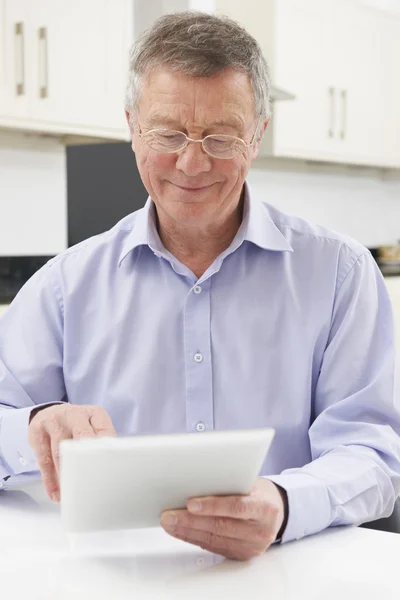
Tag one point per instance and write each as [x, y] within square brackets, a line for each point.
[16, 451]
[309, 505]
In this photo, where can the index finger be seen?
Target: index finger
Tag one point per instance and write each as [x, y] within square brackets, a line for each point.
[101, 423]
[236, 507]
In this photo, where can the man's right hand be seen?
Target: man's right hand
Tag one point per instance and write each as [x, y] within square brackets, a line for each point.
[51, 425]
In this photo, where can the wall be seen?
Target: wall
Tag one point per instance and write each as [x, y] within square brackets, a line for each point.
[33, 195]
[362, 203]
[391, 6]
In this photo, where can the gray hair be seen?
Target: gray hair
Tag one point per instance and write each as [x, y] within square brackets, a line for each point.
[199, 45]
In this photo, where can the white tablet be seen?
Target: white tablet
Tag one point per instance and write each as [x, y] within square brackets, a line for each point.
[127, 482]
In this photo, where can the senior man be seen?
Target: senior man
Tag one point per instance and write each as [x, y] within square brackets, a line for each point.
[210, 309]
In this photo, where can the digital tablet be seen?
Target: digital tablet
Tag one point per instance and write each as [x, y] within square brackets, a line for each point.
[127, 482]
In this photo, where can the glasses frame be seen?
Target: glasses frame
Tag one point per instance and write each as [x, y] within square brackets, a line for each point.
[188, 140]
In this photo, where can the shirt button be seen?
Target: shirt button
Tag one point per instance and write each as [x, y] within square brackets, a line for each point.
[197, 289]
[23, 461]
[198, 357]
[200, 426]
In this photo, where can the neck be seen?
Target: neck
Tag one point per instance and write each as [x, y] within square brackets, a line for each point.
[198, 246]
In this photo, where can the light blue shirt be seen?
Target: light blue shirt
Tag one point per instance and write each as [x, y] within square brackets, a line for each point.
[290, 327]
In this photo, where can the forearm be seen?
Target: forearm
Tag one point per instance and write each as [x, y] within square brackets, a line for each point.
[347, 486]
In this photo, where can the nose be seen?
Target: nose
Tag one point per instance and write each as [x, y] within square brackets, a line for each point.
[192, 160]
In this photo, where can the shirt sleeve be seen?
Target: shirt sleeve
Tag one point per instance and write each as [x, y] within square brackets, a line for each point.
[354, 476]
[30, 367]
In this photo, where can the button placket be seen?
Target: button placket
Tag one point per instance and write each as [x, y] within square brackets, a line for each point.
[198, 365]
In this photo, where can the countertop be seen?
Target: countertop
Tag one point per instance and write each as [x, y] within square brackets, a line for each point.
[39, 561]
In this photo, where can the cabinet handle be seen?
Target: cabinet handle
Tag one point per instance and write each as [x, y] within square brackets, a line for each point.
[331, 130]
[344, 114]
[19, 59]
[43, 64]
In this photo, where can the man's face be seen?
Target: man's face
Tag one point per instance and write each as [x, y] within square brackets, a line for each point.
[191, 187]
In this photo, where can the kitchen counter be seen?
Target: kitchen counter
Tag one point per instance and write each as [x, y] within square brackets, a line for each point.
[39, 560]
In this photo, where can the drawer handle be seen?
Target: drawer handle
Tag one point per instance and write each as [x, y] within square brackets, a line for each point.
[344, 114]
[19, 59]
[43, 63]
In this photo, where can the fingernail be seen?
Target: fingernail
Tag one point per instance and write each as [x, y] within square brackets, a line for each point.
[55, 497]
[169, 519]
[194, 506]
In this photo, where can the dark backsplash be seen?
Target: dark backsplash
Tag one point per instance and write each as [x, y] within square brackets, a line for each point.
[103, 186]
[15, 271]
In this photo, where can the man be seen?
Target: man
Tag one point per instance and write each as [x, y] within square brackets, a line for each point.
[210, 309]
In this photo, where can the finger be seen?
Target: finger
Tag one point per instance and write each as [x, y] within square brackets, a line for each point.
[79, 425]
[260, 534]
[234, 549]
[101, 423]
[42, 447]
[56, 438]
[236, 507]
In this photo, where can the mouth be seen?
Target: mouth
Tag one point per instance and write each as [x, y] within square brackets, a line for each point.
[192, 188]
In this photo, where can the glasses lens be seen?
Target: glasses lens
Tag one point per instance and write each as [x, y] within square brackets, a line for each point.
[223, 146]
[166, 141]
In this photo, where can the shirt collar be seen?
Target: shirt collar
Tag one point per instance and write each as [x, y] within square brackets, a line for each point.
[256, 227]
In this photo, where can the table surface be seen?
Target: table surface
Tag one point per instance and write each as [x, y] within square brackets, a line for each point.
[39, 561]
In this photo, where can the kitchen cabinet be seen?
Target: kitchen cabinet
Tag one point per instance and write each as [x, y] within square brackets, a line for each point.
[340, 60]
[64, 66]
[366, 77]
[13, 69]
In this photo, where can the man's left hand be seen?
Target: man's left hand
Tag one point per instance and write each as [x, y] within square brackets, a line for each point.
[238, 527]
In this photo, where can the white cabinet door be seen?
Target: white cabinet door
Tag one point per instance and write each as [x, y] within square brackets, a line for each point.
[363, 80]
[296, 39]
[118, 37]
[68, 57]
[303, 127]
[63, 66]
[2, 55]
[390, 105]
[15, 45]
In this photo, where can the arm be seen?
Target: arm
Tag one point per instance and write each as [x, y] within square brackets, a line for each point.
[354, 475]
[31, 342]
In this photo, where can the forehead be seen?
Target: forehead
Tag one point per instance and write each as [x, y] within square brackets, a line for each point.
[225, 98]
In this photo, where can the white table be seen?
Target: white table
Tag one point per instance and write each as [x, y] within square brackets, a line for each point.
[39, 561]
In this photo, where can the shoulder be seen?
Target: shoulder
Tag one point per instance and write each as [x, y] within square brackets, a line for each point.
[317, 245]
[299, 231]
[99, 248]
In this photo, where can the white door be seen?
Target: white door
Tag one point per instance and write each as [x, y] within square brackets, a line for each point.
[361, 79]
[117, 40]
[391, 104]
[303, 127]
[14, 55]
[70, 52]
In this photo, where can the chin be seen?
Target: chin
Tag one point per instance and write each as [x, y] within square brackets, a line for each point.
[188, 212]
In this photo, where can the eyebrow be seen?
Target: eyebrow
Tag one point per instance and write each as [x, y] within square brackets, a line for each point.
[160, 119]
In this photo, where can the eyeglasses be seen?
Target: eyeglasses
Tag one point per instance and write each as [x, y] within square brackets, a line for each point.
[169, 141]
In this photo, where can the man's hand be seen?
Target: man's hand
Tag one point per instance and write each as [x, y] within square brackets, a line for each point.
[238, 527]
[51, 425]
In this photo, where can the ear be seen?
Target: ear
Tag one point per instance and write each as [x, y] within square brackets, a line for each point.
[131, 128]
[260, 136]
